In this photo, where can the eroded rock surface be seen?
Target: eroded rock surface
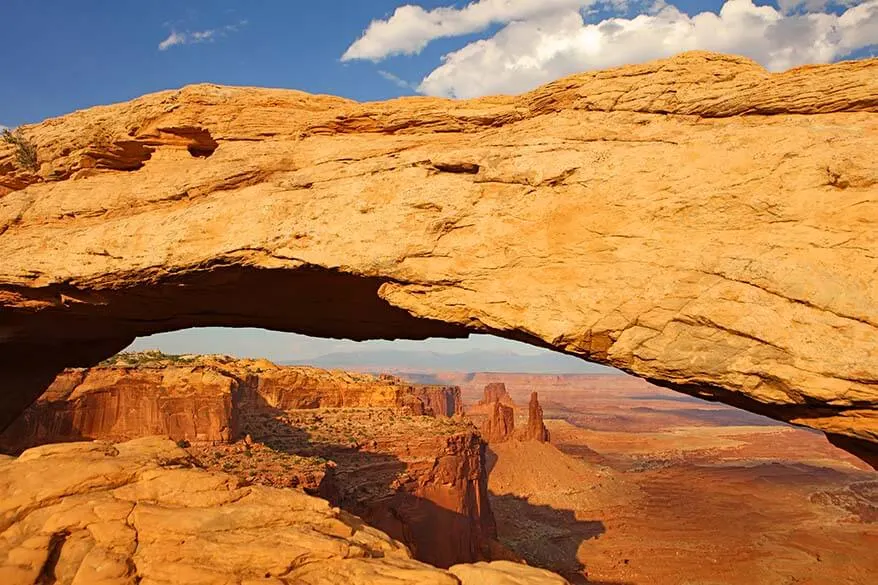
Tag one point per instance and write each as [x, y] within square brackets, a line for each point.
[499, 424]
[201, 398]
[139, 512]
[536, 428]
[378, 447]
[695, 221]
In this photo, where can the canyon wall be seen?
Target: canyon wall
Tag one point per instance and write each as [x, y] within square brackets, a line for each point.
[696, 221]
[412, 482]
[202, 402]
[439, 506]
[305, 387]
[142, 512]
[195, 403]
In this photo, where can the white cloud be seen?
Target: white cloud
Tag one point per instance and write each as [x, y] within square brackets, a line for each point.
[174, 38]
[398, 81]
[411, 28]
[198, 36]
[547, 45]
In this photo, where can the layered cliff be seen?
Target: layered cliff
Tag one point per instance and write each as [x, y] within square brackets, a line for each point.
[381, 448]
[696, 221]
[141, 512]
[299, 387]
[195, 403]
[200, 398]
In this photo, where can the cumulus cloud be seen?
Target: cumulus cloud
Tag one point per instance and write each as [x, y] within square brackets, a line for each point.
[542, 45]
[410, 28]
[198, 36]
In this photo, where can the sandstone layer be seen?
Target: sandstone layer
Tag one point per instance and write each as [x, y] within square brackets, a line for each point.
[201, 398]
[695, 221]
[536, 428]
[499, 425]
[139, 512]
[350, 438]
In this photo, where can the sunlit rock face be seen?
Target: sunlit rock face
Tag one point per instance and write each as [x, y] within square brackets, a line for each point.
[141, 512]
[201, 399]
[345, 436]
[536, 428]
[695, 221]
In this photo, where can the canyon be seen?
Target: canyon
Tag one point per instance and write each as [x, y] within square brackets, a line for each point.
[600, 478]
[141, 511]
[698, 222]
[383, 449]
[695, 221]
[643, 486]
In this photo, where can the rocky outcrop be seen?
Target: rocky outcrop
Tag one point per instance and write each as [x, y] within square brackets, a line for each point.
[344, 436]
[695, 221]
[201, 398]
[140, 512]
[499, 426]
[495, 392]
[438, 505]
[195, 403]
[536, 429]
[305, 387]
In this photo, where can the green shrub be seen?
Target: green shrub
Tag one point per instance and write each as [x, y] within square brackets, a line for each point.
[183, 443]
[25, 150]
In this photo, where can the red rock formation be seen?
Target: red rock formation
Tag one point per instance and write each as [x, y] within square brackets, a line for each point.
[202, 401]
[500, 424]
[182, 402]
[438, 505]
[496, 392]
[420, 478]
[289, 388]
[536, 429]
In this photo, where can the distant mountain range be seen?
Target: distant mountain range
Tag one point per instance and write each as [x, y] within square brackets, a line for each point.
[472, 361]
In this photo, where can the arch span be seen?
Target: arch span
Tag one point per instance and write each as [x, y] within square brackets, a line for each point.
[696, 221]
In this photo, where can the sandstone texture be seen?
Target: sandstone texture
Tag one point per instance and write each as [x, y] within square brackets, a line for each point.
[139, 512]
[499, 425]
[201, 398]
[695, 221]
[378, 447]
[495, 413]
[536, 429]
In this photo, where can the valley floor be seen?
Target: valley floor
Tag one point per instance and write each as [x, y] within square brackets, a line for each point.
[643, 487]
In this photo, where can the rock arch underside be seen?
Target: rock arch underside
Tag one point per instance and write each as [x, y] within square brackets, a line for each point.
[697, 221]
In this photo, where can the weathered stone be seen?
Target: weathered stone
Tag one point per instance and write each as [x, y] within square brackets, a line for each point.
[201, 398]
[695, 221]
[499, 426]
[138, 512]
[536, 428]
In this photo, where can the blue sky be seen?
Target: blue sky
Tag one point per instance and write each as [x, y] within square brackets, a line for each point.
[63, 56]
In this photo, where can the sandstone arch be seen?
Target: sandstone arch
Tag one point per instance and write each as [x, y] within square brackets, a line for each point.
[695, 221]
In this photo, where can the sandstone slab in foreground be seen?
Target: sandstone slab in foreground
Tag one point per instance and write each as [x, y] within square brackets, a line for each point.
[696, 221]
[138, 512]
